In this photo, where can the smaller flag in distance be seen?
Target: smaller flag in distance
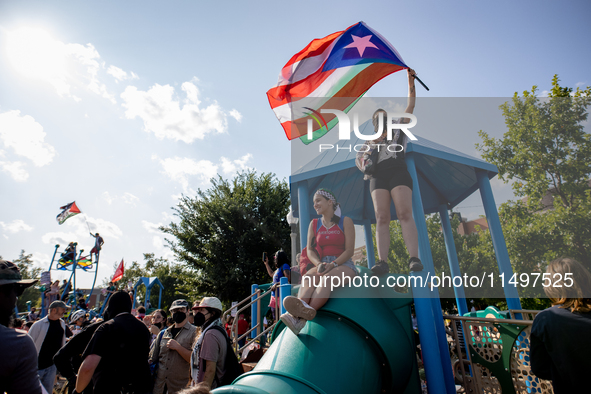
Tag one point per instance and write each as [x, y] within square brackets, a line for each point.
[118, 272]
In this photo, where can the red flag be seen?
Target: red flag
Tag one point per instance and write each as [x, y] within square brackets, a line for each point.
[331, 72]
[118, 272]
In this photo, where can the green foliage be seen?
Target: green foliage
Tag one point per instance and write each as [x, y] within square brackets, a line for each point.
[545, 149]
[224, 230]
[177, 280]
[25, 264]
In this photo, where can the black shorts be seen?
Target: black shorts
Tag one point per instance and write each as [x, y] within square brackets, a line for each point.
[389, 179]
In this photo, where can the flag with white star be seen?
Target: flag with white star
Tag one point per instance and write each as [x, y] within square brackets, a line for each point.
[331, 72]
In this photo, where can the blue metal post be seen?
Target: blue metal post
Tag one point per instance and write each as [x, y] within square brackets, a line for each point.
[94, 280]
[53, 257]
[284, 291]
[371, 258]
[135, 293]
[74, 265]
[452, 258]
[498, 239]
[160, 296]
[440, 378]
[147, 298]
[254, 315]
[304, 210]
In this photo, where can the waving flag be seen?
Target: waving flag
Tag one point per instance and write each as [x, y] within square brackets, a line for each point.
[332, 72]
[118, 272]
[67, 212]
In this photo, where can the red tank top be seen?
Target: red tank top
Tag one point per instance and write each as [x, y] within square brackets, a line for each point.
[329, 241]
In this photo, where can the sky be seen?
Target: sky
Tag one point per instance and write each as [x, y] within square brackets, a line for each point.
[125, 106]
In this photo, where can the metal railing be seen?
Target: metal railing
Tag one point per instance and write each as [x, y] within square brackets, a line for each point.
[528, 314]
[251, 299]
[494, 357]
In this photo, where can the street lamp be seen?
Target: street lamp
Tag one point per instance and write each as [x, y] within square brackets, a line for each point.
[293, 223]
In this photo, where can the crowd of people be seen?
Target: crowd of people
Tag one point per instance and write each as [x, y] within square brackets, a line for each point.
[186, 349]
[182, 350]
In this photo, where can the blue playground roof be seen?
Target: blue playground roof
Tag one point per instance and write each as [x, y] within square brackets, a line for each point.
[446, 176]
[149, 282]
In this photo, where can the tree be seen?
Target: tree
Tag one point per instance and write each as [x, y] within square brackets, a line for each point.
[224, 230]
[177, 280]
[545, 150]
[25, 264]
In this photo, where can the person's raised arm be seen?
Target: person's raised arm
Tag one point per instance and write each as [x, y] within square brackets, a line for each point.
[412, 94]
[312, 254]
[269, 270]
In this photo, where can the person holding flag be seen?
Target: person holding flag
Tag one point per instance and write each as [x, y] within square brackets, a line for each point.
[392, 182]
[98, 243]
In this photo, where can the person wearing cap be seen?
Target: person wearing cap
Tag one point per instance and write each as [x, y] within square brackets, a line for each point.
[18, 363]
[116, 359]
[209, 353]
[49, 335]
[172, 351]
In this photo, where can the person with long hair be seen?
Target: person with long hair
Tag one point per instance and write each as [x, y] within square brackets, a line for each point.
[332, 241]
[282, 269]
[560, 343]
[392, 182]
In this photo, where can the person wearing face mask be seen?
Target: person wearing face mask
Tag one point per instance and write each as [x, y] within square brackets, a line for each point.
[209, 352]
[172, 351]
[158, 322]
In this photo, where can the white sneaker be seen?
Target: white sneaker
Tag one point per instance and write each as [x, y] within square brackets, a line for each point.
[295, 324]
[299, 308]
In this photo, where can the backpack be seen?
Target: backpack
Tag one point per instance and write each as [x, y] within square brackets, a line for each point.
[233, 368]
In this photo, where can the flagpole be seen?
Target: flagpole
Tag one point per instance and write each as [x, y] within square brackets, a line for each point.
[421, 82]
[94, 281]
[86, 219]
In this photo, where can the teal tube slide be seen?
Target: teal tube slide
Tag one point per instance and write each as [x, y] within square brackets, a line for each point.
[361, 341]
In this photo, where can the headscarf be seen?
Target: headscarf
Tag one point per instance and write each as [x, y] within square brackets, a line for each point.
[331, 197]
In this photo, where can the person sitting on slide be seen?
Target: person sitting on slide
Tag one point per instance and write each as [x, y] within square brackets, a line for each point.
[332, 241]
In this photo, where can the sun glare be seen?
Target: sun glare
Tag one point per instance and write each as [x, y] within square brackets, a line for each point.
[35, 54]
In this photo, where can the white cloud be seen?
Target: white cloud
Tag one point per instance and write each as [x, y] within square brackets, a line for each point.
[16, 226]
[76, 229]
[25, 137]
[129, 198]
[41, 260]
[180, 168]
[15, 170]
[152, 228]
[157, 238]
[65, 66]
[236, 115]
[231, 166]
[120, 75]
[107, 197]
[164, 115]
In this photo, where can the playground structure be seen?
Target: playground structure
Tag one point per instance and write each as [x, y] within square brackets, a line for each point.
[345, 342]
[148, 283]
[72, 263]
